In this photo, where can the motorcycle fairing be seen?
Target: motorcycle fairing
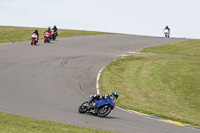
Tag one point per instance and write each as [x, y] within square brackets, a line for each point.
[101, 102]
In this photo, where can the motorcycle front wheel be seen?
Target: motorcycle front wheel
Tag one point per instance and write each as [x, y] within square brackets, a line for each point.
[104, 111]
[83, 107]
[32, 42]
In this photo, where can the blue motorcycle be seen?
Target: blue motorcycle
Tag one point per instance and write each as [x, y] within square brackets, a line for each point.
[99, 106]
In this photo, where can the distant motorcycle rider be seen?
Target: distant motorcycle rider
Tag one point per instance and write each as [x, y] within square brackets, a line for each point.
[167, 28]
[167, 31]
[36, 32]
[49, 29]
[55, 30]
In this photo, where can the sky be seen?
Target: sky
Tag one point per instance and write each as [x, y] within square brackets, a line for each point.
[137, 17]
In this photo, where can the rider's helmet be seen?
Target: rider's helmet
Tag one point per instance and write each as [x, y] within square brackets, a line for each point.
[54, 26]
[167, 27]
[36, 30]
[115, 94]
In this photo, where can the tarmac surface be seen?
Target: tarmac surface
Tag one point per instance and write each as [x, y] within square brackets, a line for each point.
[50, 81]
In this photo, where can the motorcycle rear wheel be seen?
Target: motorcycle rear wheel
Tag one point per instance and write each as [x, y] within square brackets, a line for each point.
[104, 111]
[83, 109]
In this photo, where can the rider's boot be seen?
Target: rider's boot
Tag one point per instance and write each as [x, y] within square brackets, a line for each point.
[91, 104]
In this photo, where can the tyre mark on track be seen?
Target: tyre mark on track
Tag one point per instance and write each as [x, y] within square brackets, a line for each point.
[80, 87]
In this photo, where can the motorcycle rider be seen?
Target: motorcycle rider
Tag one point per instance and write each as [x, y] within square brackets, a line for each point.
[114, 96]
[36, 32]
[55, 30]
[49, 29]
[167, 28]
[167, 31]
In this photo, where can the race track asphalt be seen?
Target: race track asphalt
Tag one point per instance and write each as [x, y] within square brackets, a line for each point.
[50, 81]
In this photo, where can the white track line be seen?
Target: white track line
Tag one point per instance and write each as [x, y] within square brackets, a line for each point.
[97, 81]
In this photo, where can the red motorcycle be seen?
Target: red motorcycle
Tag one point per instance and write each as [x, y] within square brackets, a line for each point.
[46, 37]
[34, 39]
[53, 35]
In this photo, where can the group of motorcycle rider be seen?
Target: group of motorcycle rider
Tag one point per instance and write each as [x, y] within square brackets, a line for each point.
[55, 30]
[48, 30]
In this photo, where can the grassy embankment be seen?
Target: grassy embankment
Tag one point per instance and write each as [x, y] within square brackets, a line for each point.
[185, 48]
[14, 34]
[159, 86]
[10, 123]
[19, 124]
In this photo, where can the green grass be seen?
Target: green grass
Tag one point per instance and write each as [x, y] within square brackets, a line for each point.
[160, 86]
[13, 34]
[10, 123]
[185, 48]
